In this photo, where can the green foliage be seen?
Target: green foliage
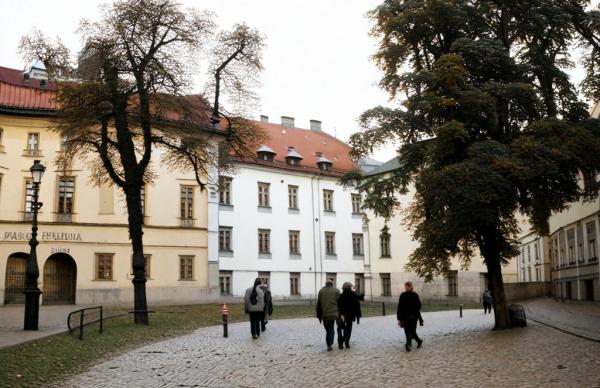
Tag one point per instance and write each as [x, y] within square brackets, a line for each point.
[490, 123]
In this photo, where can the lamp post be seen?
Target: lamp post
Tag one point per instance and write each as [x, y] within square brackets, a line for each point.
[32, 292]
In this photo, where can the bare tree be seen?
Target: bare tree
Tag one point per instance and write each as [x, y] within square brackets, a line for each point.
[125, 97]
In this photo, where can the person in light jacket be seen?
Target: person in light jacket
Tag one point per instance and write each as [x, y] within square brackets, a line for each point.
[254, 305]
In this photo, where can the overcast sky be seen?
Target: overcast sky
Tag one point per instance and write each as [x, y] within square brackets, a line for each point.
[316, 61]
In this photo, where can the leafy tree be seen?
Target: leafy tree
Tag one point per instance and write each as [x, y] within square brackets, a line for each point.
[489, 124]
[125, 100]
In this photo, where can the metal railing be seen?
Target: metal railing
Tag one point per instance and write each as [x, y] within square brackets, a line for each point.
[81, 314]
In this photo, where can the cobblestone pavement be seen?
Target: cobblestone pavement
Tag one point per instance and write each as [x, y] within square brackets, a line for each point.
[457, 352]
[52, 320]
[578, 317]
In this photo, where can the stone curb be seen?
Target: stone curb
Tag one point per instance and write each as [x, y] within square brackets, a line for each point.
[562, 329]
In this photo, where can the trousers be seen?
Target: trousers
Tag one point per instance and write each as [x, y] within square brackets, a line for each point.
[255, 317]
[344, 331]
[487, 307]
[410, 330]
[329, 325]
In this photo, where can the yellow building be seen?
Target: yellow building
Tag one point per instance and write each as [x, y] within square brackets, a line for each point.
[84, 253]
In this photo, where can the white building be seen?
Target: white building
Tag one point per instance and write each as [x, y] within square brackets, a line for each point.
[284, 217]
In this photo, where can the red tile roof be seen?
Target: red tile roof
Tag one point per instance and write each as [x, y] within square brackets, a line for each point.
[16, 95]
[307, 143]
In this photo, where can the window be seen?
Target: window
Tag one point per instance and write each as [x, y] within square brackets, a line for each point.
[359, 283]
[264, 236]
[263, 194]
[528, 274]
[294, 242]
[64, 140]
[386, 284]
[293, 161]
[590, 228]
[331, 277]
[187, 206]
[384, 242]
[225, 239]
[33, 144]
[356, 203]
[1, 138]
[357, 244]
[146, 265]
[537, 252]
[225, 282]
[104, 266]
[452, 283]
[225, 190]
[66, 189]
[294, 283]
[571, 246]
[293, 197]
[529, 253]
[330, 243]
[265, 277]
[186, 267]
[28, 199]
[328, 200]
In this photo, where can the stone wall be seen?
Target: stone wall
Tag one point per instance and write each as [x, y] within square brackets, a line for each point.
[517, 291]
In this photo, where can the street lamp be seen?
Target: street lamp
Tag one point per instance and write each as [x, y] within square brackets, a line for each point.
[32, 292]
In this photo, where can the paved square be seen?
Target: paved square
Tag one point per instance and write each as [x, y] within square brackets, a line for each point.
[457, 352]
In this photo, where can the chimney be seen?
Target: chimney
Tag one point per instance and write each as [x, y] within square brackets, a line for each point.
[287, 121]
[315, 125]
[264, 119]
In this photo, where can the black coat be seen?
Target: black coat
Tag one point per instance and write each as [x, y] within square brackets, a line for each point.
[349, 306]
[409, 306]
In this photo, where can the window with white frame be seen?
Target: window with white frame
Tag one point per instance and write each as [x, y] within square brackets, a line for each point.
[328, 200]
[356, 203]
[292, 197]
[66, 190]
[294, 283]
[263, 194]
[264, 243]
[225, 190]
[33, 144]
[384, 242]
[357, 244]
[330, 243]
[225, 239]
[225, 282]
[187, 206]
[294, 239]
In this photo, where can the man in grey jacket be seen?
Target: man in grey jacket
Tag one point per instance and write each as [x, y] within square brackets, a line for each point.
[254, 305]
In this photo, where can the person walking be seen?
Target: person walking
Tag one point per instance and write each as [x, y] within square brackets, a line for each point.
[487, 301]
[349, 309]
[327, 311]
[254, 305]
[408, 313]
[268, 311]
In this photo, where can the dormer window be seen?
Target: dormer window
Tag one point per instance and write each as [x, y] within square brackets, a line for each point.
[265, 153]
[293, 158]
[324, 164]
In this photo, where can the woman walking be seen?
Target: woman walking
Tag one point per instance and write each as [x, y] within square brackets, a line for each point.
[254, 305]
[349, 308]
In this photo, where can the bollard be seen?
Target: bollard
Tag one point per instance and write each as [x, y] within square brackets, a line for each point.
[461, 306]
[225, 313]
[383, 308]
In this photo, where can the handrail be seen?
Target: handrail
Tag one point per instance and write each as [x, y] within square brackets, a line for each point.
[81, 325]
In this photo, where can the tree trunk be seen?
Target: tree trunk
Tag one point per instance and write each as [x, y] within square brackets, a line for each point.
[497, 289]
[136, 220]
[488, 245]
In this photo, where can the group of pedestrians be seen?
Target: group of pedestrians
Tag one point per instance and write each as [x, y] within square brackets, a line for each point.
[343, 309]
[259, 305]
[335, 308]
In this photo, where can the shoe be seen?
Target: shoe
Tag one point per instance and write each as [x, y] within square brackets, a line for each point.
[263, 329]
[254, 336]
[419, 344]
[341, 345]
[347, 345]
[329, 348]
[408, 348]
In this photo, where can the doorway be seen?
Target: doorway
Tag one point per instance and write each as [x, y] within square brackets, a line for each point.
[60, 277]
[16, 272]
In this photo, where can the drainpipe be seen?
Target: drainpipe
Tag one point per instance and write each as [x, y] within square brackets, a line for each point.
[320, 227]
[312, 193]
[577, 261]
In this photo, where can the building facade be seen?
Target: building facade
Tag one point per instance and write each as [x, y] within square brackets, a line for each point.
[85, 253]
[389, 247]
[285, 218]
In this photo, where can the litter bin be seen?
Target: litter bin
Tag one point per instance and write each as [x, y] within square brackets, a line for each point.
[516, 315]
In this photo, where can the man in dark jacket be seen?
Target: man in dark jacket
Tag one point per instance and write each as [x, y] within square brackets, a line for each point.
[349, 308]
[487, 301]
[409, 312]
[268, 307]
[327, 311]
